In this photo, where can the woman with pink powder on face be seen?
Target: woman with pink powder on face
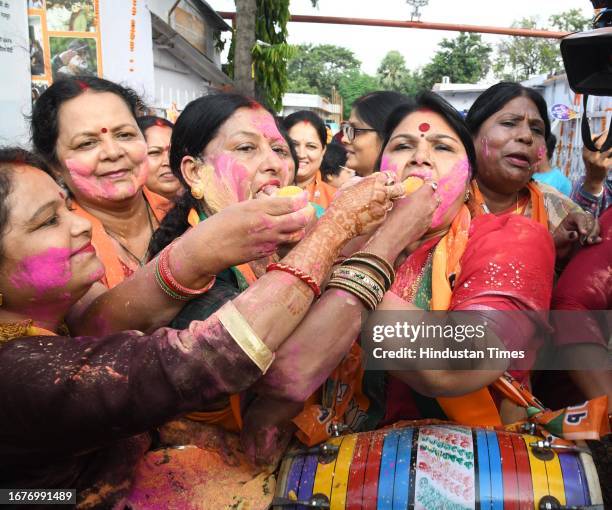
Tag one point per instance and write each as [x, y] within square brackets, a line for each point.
[510, 125]
[454, 266]
[77, 411]
[86, 130]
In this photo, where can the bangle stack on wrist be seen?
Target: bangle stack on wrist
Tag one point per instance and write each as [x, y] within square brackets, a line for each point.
[365, 275]
[169, 285]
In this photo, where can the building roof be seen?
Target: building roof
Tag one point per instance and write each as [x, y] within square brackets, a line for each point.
[164, 35]
[217, 21]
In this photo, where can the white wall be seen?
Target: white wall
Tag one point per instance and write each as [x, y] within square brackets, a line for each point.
[174, 81]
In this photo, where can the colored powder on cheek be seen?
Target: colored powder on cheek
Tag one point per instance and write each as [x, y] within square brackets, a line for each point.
[44, 272]
[219, 184]
[386, 165]
[77, 167]
[541, 152]
[265, 123]
[450, 187]
[234, 176]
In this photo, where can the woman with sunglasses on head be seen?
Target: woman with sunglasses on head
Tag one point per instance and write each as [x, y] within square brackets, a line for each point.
[362, 134]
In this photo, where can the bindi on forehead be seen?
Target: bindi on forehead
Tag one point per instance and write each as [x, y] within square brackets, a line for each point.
[104, 130]
[424, 127]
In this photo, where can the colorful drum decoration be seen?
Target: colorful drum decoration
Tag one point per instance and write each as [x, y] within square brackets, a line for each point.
[436, 466]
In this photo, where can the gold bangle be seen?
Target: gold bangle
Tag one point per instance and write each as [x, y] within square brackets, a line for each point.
[242, 333]
[361, 278]
[363, 299]
[384, 262]
[373, 264]
[360, 292]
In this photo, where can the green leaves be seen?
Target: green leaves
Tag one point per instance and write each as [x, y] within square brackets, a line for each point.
[316, 69]
[464, 59]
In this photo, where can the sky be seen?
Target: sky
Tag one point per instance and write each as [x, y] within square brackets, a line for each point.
[371, 44]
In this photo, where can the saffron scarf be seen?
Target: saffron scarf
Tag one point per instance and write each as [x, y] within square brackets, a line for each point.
[344, 393]
[539, 213]
[103, 243]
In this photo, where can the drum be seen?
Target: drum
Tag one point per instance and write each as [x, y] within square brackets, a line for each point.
[437, 466]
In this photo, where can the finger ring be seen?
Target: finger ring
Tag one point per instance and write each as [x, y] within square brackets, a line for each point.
[434, 185]
[390, 178]
[390, 206]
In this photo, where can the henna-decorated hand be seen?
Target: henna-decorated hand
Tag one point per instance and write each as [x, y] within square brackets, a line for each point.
[406, 224]
[362, 207]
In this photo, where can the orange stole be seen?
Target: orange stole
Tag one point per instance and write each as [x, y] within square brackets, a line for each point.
[536, 199]
[320, 192]
[103, 243]
[478, 407]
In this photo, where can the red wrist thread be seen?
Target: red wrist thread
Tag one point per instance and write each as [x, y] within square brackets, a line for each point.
[298, 273]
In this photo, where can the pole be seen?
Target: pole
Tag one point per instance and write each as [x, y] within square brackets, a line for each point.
[333, 20]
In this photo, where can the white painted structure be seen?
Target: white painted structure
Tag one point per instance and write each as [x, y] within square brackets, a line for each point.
[313, 102]
[186, 62]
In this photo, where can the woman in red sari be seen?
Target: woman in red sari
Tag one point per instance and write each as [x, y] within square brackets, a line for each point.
[483, 265]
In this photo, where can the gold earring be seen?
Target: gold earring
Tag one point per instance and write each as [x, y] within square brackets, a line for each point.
[466, 196]
[197, 191]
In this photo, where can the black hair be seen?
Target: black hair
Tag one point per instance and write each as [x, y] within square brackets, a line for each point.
[374, 108]
[496, 97]
[333, 159]
[551, 143]
[311, 118]
[44, 125]
[434, 102]
[294, 156]
[147, 121]
[9, 158]
[196, 126]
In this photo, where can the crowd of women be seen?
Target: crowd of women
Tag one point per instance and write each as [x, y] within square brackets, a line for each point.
[151, 272]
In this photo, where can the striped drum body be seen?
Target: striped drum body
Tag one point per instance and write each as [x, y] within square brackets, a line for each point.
[436, 466]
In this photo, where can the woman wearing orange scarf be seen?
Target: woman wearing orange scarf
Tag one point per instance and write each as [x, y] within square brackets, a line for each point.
[483, 265]
[509, 124]
[86, 130]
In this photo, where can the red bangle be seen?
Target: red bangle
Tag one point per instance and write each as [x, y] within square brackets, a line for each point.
[170, 281]
[298, 273]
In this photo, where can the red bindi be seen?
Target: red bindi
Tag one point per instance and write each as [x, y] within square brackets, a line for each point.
[104, 130]
[424, 127]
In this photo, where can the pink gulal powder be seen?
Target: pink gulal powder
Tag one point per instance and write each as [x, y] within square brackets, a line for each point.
[44, 272]
[450, 187]
[93, 186]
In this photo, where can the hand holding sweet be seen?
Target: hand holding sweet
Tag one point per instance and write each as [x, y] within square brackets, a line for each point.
[361, 208]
